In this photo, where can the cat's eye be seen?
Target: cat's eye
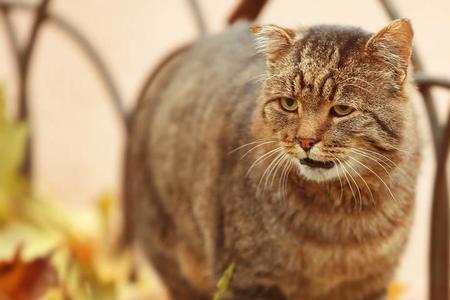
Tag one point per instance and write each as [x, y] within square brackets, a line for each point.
[288, 104]
[341, 110]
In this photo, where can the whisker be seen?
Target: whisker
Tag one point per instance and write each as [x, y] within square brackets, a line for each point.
[284, 178]
[277, 169]
[367, 151]
[262, 158]
[283, 168]
[401, 150]
[338, 165]
[384, 159]
[356, 184]
[346, 178]
[374, 173]
[269, 167]
[365, 182]
[371, 158]
[255, 147]
[251, 143]
[270, 178]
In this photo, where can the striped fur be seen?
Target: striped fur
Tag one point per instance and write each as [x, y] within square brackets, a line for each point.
[215, 165]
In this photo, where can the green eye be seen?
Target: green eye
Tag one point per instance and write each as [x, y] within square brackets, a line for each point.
[341, 110]
[289, 104]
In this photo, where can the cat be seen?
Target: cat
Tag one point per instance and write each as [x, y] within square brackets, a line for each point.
[295, 161]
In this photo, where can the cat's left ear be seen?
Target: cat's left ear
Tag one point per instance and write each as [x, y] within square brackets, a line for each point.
[272, 40]
[393, 45]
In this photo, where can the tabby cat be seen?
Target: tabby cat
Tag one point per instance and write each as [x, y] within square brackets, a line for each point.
[295, 161]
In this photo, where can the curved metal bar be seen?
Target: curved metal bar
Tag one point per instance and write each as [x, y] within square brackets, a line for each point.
[88, 49]
[440, 235]
[12, 34]
[198, 16]
[97, 61]
[24, 67]
[430, 81]
[23, 59]
[247, 10]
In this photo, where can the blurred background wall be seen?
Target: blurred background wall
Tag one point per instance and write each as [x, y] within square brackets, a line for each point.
[78, 137]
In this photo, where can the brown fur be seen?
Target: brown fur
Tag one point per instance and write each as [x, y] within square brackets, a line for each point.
[290, 235]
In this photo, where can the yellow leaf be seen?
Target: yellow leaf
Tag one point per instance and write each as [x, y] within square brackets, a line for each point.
[82, 250]
[395, 290]
[224, 282]
[56, 293]
[2, 106]
[13, 137]
[105, 206]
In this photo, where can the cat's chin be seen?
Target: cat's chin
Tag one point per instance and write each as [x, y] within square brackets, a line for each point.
[318, 174]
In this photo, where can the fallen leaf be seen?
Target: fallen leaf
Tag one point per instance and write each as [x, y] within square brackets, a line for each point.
[105, 206]
[395, 290]
[56, 293]
[82, 249]
[224, 282]
[20, 280]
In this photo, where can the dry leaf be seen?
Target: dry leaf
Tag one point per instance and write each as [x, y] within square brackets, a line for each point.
[21, 280]
[395, 290]
[85, 259]
[82, 250]
[224, 282]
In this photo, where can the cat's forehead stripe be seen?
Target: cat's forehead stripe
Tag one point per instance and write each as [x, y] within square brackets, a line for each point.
[335, 58]
[322, 83]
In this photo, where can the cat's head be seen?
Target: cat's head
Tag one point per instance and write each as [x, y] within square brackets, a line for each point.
[334, 97]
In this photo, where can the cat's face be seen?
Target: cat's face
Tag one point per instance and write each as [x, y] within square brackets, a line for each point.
[334, 97]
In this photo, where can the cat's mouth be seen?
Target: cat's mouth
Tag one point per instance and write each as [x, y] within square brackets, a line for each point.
[317, 163]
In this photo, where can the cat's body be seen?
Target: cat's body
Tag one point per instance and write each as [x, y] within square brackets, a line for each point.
[196, 209]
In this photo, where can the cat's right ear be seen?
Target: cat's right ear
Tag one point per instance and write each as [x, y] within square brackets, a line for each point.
[393, 45]
[273, 40]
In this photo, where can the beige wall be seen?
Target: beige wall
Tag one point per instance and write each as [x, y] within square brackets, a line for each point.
[78, 138]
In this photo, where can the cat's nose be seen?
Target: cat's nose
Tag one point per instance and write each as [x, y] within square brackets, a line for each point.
[307, 143]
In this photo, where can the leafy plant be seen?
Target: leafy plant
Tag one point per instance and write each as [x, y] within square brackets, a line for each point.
[12, 141]
[83, 264]
[223, 283]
